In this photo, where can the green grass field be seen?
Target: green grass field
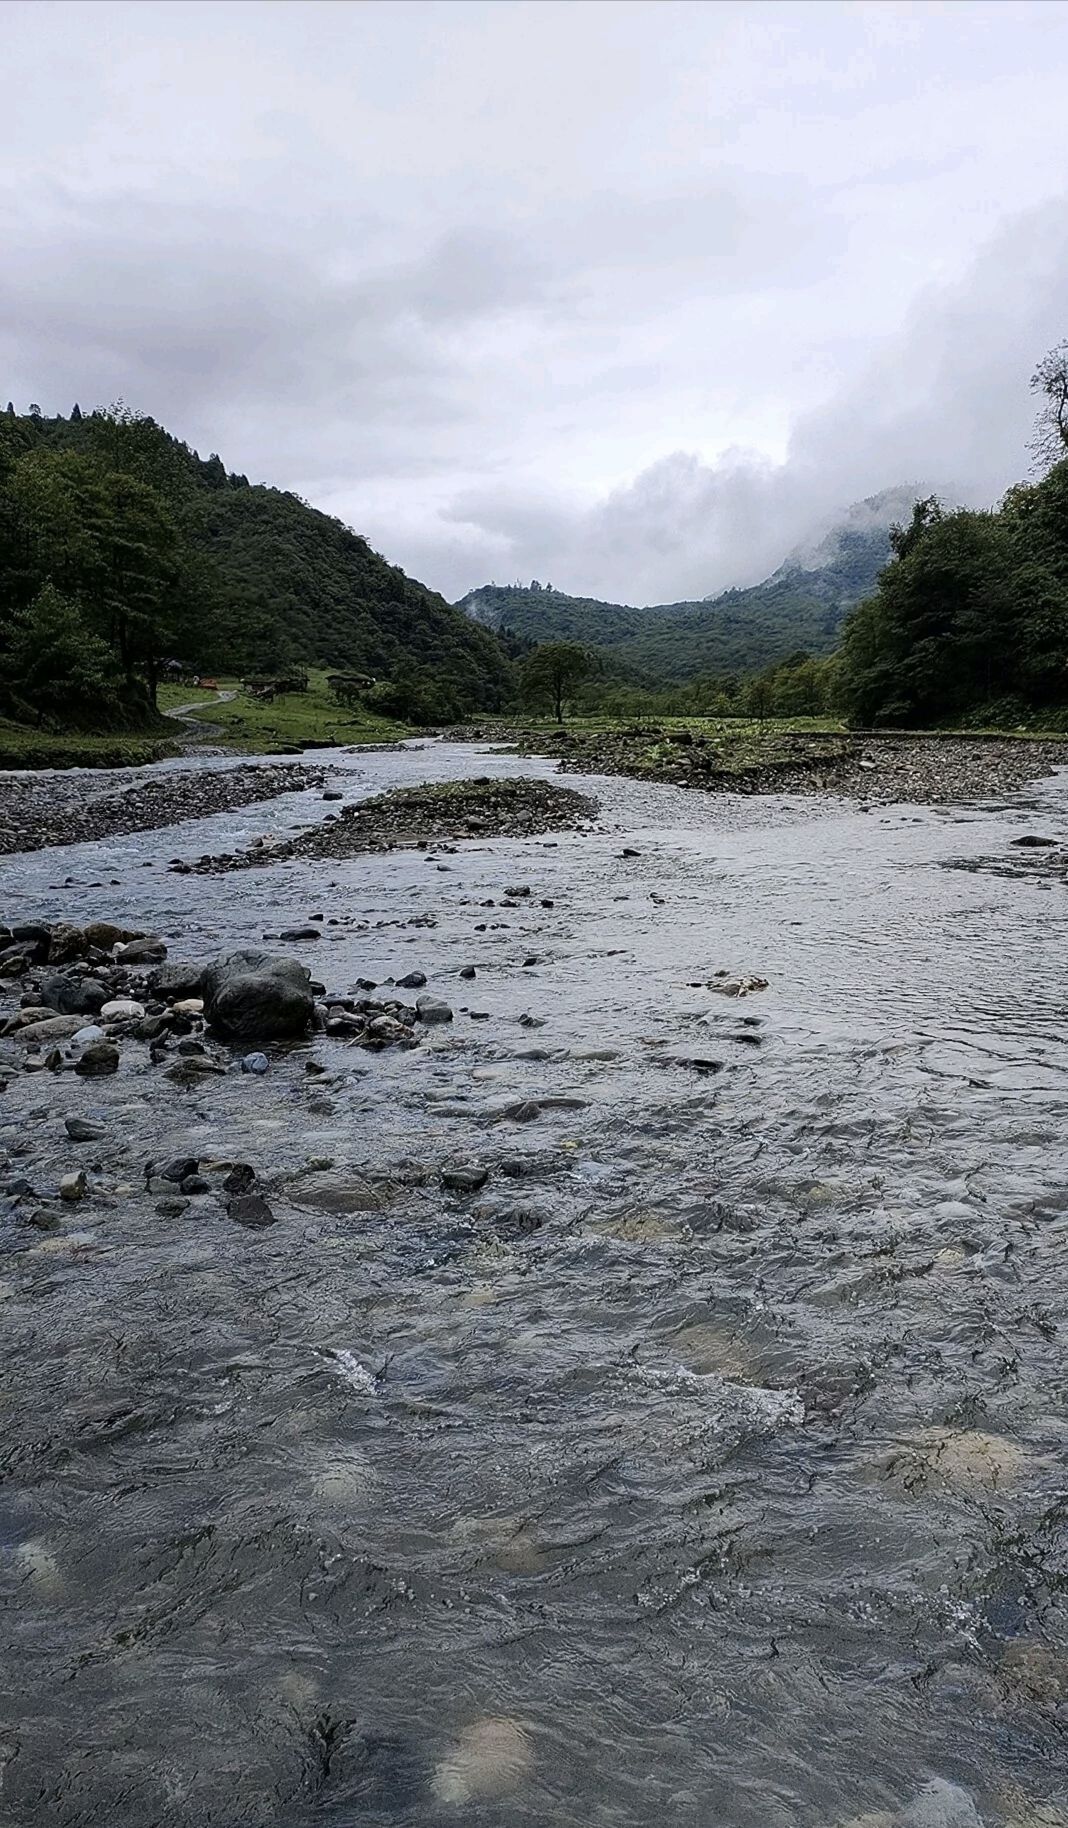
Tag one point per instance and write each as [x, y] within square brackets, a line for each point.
[259, 727]
[23, 747]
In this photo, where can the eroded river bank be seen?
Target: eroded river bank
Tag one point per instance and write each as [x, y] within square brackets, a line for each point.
[698, 1457]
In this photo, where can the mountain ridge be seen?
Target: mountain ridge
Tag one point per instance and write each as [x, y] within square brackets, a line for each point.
[800, 605]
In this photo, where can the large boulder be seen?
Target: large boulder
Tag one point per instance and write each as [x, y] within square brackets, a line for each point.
[252, 996]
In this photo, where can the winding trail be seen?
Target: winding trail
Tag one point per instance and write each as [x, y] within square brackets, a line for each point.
[197, 731]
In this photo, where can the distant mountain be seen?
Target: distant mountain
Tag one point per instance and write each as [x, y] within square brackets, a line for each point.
[801, 605]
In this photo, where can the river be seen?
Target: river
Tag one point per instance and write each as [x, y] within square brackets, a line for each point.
[707, 1468]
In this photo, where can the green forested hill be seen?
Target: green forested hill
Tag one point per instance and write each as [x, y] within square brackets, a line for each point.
[802, 605]
[123, 549]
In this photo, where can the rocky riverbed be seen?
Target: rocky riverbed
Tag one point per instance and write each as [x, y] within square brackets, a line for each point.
[85, 805]
[878, 770]
[581, 1341]
[415, 817]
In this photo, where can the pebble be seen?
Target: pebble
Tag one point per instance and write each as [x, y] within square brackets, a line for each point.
[414, 980]
[255, 1063]
[122, 1009]
[73, 1186]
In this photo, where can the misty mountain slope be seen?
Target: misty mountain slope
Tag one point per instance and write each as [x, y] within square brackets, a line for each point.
[801, 605]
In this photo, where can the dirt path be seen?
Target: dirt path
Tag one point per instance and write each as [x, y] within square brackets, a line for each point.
[197, 731]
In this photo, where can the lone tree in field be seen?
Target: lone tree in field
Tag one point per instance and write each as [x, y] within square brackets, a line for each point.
[552, 671]
[1049, 441]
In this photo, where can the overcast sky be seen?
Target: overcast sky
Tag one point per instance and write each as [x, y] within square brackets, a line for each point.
[625, 296]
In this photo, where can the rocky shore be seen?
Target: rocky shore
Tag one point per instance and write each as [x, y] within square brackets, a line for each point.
[415, 817]
[49, 809]
[878, 770]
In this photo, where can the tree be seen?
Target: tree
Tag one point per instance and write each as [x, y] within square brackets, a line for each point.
[552, 671]
[75, 414]
[1049, 440]
[56, 666]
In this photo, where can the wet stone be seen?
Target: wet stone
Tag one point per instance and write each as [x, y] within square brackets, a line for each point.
[83, 1129]
[464, 1177]
[42, 1218]
[99, 1059]
[432, 1010]
[250, 1210]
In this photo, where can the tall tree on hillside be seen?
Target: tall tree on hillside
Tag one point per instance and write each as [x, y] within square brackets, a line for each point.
[1049, 441]
[552, 671]
[55, 667]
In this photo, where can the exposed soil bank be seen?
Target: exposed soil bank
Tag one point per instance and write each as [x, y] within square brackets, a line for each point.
[414, 817]
[44, 810]
[879, 770]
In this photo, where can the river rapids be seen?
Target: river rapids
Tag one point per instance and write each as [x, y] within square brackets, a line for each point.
[706, 1468]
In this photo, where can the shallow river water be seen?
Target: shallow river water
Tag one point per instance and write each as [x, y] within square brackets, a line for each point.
[707, 1468]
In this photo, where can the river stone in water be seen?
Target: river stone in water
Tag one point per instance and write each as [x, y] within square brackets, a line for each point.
[341, 1192]
[122, 1009]
[53, 1028]
[490, 1758]
[99, 1058]
[65, 942]
[148, 951]
[177, 980]
[72, 996]
[941, 1805]
[252, 996]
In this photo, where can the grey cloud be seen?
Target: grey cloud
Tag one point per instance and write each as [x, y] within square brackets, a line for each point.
[629, 294]
[946, 402]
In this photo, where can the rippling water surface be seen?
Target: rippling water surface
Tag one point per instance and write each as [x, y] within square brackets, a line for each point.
[707, 1468]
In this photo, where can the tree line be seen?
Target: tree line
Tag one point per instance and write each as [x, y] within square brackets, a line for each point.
[124, 555]
[969, 620]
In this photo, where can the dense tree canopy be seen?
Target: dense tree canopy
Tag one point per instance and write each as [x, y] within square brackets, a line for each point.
[971, 612]
[158, 557]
